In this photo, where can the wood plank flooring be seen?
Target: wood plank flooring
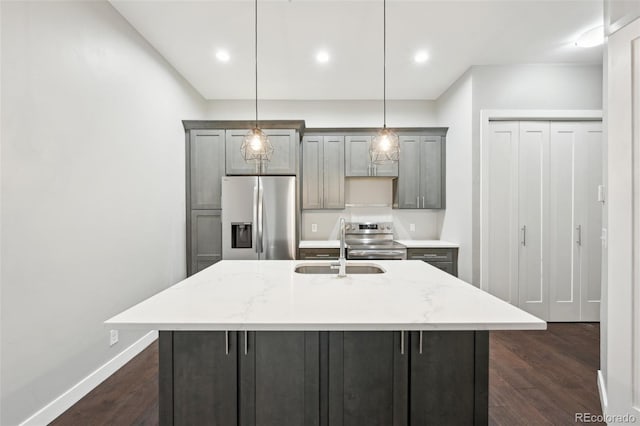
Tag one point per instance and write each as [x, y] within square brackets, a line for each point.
[535, 378]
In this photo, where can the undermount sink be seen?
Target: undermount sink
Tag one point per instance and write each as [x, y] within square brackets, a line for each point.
[352, 268]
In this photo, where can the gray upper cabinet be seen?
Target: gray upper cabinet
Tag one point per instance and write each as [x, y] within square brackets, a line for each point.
[206, 239]
[323, 172]
[421, 179]
[283, 162]
[333, 165]
[358, 160]
[206, 157]
[312, 172]
[432, 178]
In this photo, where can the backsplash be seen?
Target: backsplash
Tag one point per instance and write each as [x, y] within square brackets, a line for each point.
[369, 200]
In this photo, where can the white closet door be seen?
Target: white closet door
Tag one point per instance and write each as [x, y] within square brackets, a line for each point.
[532, 187]
[575, 221]
[500, 214]
[564, 259]
[589, 216]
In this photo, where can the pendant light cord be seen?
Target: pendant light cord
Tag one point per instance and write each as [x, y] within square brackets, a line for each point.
[256, 55]
[384, 58]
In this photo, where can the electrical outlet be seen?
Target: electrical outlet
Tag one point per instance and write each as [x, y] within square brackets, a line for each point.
[314, 227]
[113, 337]
[412, 227]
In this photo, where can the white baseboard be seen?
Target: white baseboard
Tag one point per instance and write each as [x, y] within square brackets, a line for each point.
[65, 401]
[602, 390]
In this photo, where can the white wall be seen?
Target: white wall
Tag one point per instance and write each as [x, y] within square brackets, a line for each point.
[454, 111]
[92, 162]
[526, 87]
[329, 113]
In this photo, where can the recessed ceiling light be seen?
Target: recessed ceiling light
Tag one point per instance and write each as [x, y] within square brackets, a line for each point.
[223, 56]
[591, 38]
[421, 57]
[322, 57]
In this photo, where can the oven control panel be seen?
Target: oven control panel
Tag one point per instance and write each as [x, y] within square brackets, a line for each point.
[369, 227]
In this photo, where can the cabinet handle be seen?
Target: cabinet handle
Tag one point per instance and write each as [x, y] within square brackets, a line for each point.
[417, 202]
[524, 235]
[246, 342]
[226, 342]
[369, 170]
[579, 231]
[423, 203]
[402, 343]
[323, 255]
[420, 344]
[375, 170]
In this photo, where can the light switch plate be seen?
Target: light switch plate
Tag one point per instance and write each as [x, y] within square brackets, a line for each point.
[412, 227]
[314, 227]
[601, 193]
[113, 337]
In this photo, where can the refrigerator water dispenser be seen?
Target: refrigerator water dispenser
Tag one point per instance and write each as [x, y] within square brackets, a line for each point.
[241, 236]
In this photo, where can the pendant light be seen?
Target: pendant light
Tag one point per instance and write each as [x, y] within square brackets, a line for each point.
[384, 147]
[256, 147]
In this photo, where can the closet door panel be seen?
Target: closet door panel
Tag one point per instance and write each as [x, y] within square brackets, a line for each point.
[532, 178]
[591, 221]
[500, 275]
[563, 260]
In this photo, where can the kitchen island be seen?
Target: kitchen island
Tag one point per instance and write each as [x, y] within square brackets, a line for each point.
[256, 343]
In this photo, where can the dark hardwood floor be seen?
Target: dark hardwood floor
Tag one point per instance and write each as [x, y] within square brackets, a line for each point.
[535, 378]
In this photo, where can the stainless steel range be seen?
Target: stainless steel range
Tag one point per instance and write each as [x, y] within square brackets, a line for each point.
[372, 241]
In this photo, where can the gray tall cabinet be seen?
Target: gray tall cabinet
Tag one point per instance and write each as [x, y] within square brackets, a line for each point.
[213, 151]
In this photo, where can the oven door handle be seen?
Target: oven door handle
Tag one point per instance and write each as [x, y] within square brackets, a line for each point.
[374, 252]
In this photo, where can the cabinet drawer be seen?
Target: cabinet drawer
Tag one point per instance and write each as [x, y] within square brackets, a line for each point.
[430, 254]
[445, 266]
[319, 254]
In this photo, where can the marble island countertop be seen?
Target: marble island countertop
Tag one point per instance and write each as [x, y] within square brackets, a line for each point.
[269, 295]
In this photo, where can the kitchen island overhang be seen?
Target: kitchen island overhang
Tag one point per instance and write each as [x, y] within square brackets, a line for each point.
[254, 343]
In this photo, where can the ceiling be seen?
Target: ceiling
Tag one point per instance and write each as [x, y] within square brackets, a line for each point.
[456, 35]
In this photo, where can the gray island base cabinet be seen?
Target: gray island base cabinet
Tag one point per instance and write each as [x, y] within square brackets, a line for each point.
[324, 378]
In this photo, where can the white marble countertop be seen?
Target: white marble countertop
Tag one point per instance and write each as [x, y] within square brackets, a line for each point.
[407, 243]
[428, 244]
[269, 295]
[319, 244]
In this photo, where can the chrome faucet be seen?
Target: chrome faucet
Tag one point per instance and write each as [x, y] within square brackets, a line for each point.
[341, 265]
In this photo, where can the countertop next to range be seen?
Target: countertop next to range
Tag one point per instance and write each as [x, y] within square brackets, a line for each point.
[407, 243]
[269, 295]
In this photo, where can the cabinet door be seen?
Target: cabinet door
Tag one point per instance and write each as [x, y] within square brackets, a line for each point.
[358, 161]
[368, 378]
[448, 378]
[432, 177]
[206, 239]
[312, 172]
[408, 185]
[206, 163]
[279, 378]
[320, 253]
[333, 165]
[235, 164]
[285, 152]
[204, 378]
[385, 169]
[533, 152]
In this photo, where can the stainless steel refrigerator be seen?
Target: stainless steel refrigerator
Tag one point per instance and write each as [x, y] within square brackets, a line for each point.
[259, 217]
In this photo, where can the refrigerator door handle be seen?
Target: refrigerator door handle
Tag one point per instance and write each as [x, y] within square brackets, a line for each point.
[260, 217]
[255, 214]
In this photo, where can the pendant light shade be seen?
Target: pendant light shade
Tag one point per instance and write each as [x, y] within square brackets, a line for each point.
[256, 147]
[385, 147]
